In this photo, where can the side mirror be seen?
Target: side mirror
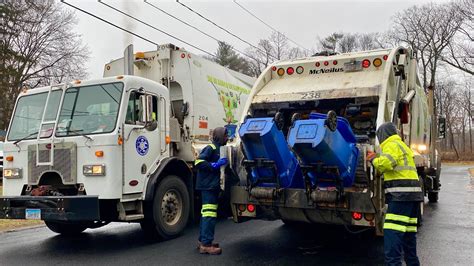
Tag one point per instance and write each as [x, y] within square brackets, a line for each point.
[149, 109]
[185, 109]
[441, 127]
[143, 107]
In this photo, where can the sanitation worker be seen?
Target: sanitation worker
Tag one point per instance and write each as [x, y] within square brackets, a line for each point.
[208, 164]
[402, 193]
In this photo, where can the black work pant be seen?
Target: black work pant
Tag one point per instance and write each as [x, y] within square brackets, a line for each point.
[208, 216]
[400, 229]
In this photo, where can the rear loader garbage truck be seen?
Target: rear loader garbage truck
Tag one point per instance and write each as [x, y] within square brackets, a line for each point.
[121, 148]
[308, 126]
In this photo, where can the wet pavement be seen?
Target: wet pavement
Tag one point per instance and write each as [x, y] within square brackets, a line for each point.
[446, 238]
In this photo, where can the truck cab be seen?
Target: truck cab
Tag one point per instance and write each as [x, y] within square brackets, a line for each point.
[72, 150]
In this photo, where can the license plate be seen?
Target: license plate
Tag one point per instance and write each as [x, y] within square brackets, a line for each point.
[353, 66]
[33, 214]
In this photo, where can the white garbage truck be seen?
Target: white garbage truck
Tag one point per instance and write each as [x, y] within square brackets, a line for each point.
[308, 126]
[120, 148]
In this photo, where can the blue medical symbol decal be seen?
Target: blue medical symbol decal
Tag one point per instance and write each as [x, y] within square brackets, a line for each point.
[142, 145]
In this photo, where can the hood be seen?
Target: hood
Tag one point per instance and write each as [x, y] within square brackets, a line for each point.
[385, 131]
[219, 136]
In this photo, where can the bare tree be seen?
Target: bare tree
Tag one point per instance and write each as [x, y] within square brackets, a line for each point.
[428, 29]
[371, 41]
[330, 43]
[40, 48]
[450, 108]
[348, 43]
[460, 52]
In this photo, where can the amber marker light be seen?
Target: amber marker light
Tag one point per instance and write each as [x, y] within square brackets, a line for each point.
[139, 55]
[377, 62]
[281, 72]
[99, 153]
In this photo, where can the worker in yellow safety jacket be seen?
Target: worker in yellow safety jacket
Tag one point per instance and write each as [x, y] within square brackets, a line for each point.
[403, 194]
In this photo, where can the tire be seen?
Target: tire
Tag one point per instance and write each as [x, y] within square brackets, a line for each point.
[169, 211]
[67, 229]
[433, 197]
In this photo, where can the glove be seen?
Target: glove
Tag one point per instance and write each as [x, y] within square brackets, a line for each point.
[370, 156]
[219, 163]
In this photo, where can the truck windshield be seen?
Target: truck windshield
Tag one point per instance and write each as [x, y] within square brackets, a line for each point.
[90, 109]
[28, 112]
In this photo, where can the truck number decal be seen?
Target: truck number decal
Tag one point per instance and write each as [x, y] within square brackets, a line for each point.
[311, 95]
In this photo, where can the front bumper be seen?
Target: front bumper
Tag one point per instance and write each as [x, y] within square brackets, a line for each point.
[52, 208]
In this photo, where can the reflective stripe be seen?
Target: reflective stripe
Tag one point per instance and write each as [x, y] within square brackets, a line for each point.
[405, 160]
[401, 168]
[411, 229]
[198, 161]
[413, 221]
[390, 158]
[397, 217]
[209, 206]
[209, 214]
[402, 189]
[395, 227]
[400, 228]
[213, 146]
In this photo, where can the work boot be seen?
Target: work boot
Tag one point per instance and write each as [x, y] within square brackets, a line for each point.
[216, 245]
[203, 249]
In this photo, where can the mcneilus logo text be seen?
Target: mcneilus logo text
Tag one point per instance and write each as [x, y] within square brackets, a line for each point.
[327, 70]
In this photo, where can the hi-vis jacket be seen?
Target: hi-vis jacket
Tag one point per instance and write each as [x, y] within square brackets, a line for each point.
[397, 165]
[208, 178]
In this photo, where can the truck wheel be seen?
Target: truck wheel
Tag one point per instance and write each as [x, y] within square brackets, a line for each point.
[433, 197]
[67, 229]
[170, 209]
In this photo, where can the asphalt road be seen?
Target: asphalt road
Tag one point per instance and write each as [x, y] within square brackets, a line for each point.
[446, 238]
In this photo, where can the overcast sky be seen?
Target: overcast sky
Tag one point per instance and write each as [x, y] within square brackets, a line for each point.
[301, 21]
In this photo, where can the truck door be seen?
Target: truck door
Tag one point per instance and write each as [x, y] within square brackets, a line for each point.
[142, 145]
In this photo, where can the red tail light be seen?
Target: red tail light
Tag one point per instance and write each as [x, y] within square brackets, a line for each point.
[326, 63]
[365, 63]
[274, 68]
[241, 207]
[334, 62]
[385, 57]
[317, 64]
[356, 216]
[251, 208]
[290, 71]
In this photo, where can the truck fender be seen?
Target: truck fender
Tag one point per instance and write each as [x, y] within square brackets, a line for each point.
[170, 166]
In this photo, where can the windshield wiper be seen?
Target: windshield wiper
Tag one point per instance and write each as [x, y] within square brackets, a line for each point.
[27, 137]
[77, 131]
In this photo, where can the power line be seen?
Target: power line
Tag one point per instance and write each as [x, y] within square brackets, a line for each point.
[157, 29]
[110, 23]
[266, 24]
[199, 30]
[222, 28]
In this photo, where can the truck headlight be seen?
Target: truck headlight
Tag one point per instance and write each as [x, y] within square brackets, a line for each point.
[11, 173]
[94, 170]
[422, 147]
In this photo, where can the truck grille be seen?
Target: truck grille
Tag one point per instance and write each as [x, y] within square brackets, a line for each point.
[65, 163]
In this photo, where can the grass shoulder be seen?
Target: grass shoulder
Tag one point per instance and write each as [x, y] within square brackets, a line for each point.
[7, 225]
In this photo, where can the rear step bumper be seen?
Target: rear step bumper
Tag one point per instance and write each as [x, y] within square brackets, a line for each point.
[51, 208]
